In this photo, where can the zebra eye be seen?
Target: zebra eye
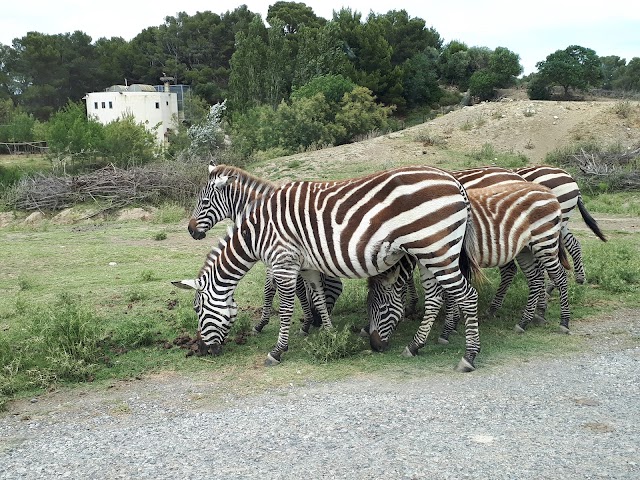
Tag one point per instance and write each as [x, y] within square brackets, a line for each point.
[205, 202]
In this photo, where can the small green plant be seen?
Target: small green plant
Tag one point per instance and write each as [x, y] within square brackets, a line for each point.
[135, 295]
[160, 236]
[24, 283]
[135, 333]
[622, 109]
[148, 276]
[333, 344]
[467, 125]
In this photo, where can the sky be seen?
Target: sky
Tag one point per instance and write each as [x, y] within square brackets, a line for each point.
[532, 29]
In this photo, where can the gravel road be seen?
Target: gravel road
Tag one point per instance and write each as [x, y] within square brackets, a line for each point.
[577, 416]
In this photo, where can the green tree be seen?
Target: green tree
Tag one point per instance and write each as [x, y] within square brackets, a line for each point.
[246, 88]
[320, 52]
[629, 77]
[455, 64]
[360, 114]
[420, 79]
[505, 66]
[612, 68]
[406, 36]
[572, 68]
[332, 87]
[71, 132]
[127, 143]
[292, 16]
[482, 84]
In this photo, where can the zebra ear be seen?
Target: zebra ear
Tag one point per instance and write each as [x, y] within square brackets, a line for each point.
[187, 284]
[223, 181]
[212, 165]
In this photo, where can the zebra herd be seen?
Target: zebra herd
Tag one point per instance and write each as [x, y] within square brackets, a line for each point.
[382, 226]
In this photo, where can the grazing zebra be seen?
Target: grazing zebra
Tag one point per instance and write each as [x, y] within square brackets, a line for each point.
[227, 195]
[566, 189]
[568, 193]
[350, 229]
[517, 220]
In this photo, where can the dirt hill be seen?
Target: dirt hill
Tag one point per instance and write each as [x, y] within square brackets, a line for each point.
[533, 128]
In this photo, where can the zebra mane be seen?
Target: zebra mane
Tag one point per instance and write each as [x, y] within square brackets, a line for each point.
[242, 176]
[214, 253]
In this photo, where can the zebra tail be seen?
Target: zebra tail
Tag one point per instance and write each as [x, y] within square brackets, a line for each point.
[562, 255]
[468, 262]
[590, 221]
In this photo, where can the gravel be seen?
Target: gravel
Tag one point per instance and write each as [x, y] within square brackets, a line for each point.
[575, 416]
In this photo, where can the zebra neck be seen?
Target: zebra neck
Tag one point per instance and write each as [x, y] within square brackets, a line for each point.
[228, 263]
[247, 192]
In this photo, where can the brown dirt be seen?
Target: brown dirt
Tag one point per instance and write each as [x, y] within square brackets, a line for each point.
[532, 128]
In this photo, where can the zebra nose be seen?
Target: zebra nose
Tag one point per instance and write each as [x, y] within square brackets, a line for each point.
[193, 230]
[377, 344]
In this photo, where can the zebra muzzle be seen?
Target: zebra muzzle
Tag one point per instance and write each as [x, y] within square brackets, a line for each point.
[377, 344]
[193, 230]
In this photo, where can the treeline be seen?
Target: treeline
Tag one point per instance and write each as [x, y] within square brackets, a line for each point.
[297, 81]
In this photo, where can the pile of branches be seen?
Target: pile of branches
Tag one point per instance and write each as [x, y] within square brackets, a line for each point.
[110, 187]
[618, 170]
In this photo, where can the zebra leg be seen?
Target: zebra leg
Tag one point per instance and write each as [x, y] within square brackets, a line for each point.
[575, 250]
[313, 279]
[535, 281]
[411, 298]
[269, 295]
[433, 299]
[332, 291]
[451, 319]
[285, 280]
[507, 274]
[462, 294]
[559, 276]
[305, 295]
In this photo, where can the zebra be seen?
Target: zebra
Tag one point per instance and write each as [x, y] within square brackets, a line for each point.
[515, 220]
[354, 228]
[567, 190]
[228, 195]
[564, 187]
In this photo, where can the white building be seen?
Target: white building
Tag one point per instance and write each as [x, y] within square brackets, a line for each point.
[157, 111]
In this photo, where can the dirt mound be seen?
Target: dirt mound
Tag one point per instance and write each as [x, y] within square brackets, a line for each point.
[532, 128]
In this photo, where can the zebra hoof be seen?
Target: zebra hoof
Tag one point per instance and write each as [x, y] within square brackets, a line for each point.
[271, 361]
[253, 332]
[539, 319]
[302, 333]
[363, 333]
[518, 329]
[443, 341]
[407, 353]
[465, 366]
[563, 329]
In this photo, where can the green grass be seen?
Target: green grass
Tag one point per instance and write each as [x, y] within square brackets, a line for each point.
[93, 302]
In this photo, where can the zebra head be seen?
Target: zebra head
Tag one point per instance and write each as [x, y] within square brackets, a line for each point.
[385, 306]
[216, 312]
[212, 205]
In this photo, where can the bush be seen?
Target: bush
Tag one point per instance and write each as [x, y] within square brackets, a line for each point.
[482, 84]
[127, 143]
[333, 344]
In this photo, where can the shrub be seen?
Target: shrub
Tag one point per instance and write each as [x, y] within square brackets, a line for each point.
[127, 143]
[333, 344]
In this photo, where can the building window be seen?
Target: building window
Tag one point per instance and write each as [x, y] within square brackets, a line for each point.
[95, 105]
[110, 104]
[103, 105]
[157, 104]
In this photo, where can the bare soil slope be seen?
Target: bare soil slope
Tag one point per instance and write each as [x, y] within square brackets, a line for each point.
[532, 128]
